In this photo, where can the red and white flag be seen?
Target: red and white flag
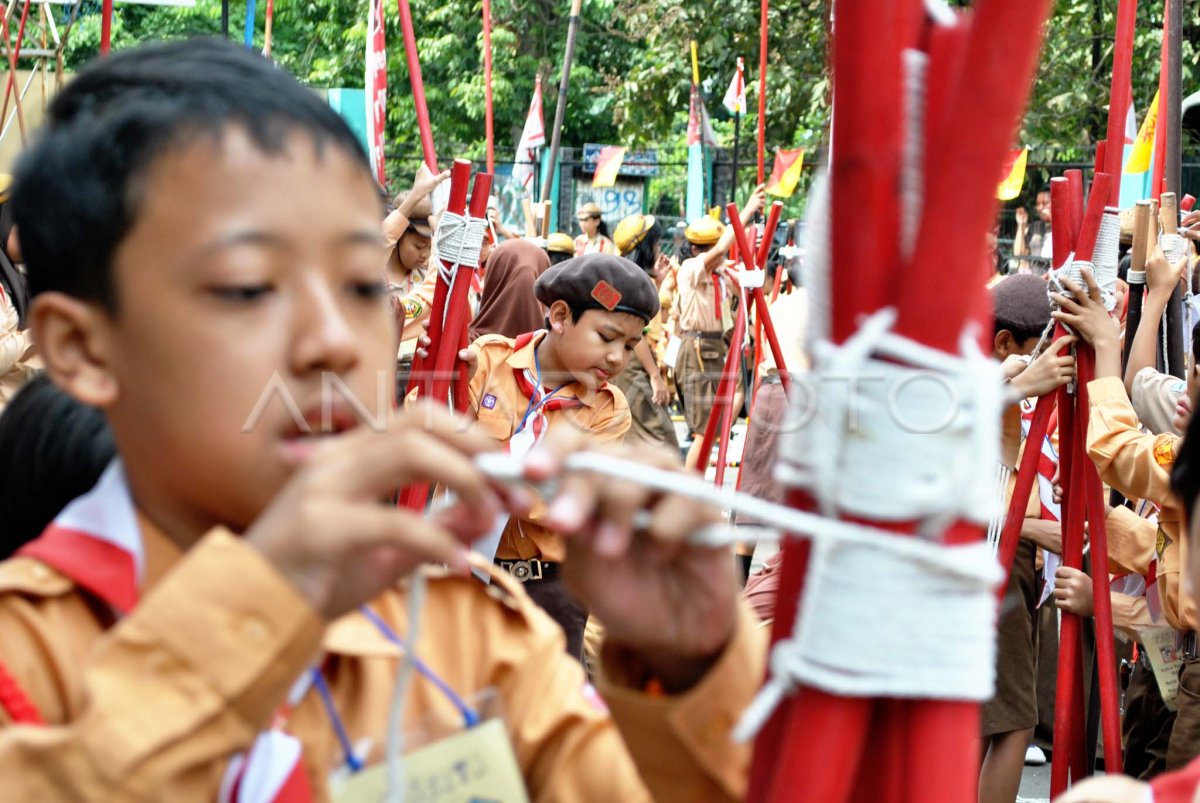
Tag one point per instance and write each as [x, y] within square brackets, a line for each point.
[1131, 123]
[735, 96]
[532, 138]
[699, 130]
[376, 85]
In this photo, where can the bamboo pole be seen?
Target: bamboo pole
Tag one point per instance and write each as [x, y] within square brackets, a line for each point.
[564, 84]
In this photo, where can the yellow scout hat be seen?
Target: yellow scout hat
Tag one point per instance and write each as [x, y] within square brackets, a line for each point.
[631, 231]
[704, 231]
[588, 210]
[560, 243]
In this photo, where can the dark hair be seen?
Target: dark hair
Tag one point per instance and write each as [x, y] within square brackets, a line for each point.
[1021, 305]
[643, 254]
[52, 449]
[689, 249]
[558, 256]
[1185, 473]
[78, 190]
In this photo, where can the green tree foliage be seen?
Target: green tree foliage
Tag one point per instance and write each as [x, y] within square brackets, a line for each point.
[632, 72]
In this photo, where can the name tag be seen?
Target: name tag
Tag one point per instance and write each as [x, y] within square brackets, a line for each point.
[476, 764]
[1165, 659]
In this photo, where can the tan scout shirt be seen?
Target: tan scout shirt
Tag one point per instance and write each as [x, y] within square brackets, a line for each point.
[499, 404]
[153, 706]
[694, 303]
[1139, 466]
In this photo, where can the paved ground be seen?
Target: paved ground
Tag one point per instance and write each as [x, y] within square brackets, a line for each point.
[1035, 785]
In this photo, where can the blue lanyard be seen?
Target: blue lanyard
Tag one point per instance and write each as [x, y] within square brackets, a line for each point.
[537, 404]
[469, 715]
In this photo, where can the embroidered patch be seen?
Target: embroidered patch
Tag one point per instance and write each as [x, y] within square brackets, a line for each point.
[489, 401]
[413, 308]
[1161, 543]
[606, 295]
[1164, 452]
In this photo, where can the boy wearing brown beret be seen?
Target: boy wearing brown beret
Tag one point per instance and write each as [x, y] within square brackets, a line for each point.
[522, 388]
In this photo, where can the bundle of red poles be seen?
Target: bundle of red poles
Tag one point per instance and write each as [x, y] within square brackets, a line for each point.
[820, 745]
[722, 412]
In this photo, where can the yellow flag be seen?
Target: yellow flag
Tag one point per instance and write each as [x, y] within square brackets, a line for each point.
[786, 172]
[1143, 146]
[608, 164]
[1014, 178]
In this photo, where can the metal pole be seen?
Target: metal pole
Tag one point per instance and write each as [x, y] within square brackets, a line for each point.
[563, 84]
[225, 18]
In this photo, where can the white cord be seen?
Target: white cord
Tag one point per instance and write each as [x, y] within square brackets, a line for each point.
[395, 737]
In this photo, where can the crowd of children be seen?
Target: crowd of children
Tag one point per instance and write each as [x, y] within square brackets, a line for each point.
[207, 590]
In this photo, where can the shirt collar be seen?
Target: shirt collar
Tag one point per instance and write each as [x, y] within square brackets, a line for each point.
[525, 358]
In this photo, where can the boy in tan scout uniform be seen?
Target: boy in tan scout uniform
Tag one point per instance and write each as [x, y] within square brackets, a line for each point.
[699, 312]
[162, 640]
[526, 388]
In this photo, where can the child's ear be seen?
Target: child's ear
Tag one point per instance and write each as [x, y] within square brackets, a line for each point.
[1003, 344]
[559, 315]
[73, 339]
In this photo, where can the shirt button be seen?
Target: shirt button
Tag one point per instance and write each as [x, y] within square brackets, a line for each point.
[254, 630]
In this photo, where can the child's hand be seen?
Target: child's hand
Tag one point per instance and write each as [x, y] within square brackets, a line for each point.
[1190, 226]
[1022, 217]
[1045, 533]
[758, 200]
[330, 532]
[1049, 371]
[662, 394]
[1073, 591]
[1162, 277]
[671, 603]
[426, 181]
[1083, 310]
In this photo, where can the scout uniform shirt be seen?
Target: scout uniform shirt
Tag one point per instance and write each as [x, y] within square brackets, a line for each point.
[700, 304]
[148, 689]
[501, 399]
[1139, 466]
[600, 245]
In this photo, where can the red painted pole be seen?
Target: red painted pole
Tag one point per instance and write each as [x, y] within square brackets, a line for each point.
[1074, 205]
[1118, 99]
[489, 133]
[106, 15]
[268, 28]
[764, 247]
[418, 84]
[1160, 129]
[762, 90]
[733, 360]
[12, 73]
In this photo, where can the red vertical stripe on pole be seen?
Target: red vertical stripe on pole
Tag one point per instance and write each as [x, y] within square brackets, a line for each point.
[489, 133]
[418, 84]
[1118, 99]
[106, 15]
[762, 90]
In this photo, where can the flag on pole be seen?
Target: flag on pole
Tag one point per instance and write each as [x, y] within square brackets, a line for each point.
[608, 164]
[735, 96]
[1143, 143]
[532, 138]
[376, 85]
[786, 172]
[1014, 175]
[699, 130]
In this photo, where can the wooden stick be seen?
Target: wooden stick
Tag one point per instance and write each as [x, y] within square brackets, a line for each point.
[1168, 213]
[1174, 96]
[530, 222]
[1143, 217]
[418, 84]
[546, 206]
[762, 90]
[564, 84]
[1118, 99]
[268, 28]
[488, 122]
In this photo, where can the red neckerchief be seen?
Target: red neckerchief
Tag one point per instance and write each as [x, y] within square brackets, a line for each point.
[97, 543]
[536, 394]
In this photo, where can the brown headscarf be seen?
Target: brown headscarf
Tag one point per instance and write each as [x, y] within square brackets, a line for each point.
[508, 306]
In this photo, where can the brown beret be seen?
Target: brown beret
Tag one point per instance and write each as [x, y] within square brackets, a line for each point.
[599, 281]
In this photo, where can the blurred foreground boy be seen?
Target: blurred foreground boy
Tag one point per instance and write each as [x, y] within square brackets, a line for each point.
[220, 617]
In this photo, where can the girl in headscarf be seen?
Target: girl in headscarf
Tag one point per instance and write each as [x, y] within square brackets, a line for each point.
[508, 306]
